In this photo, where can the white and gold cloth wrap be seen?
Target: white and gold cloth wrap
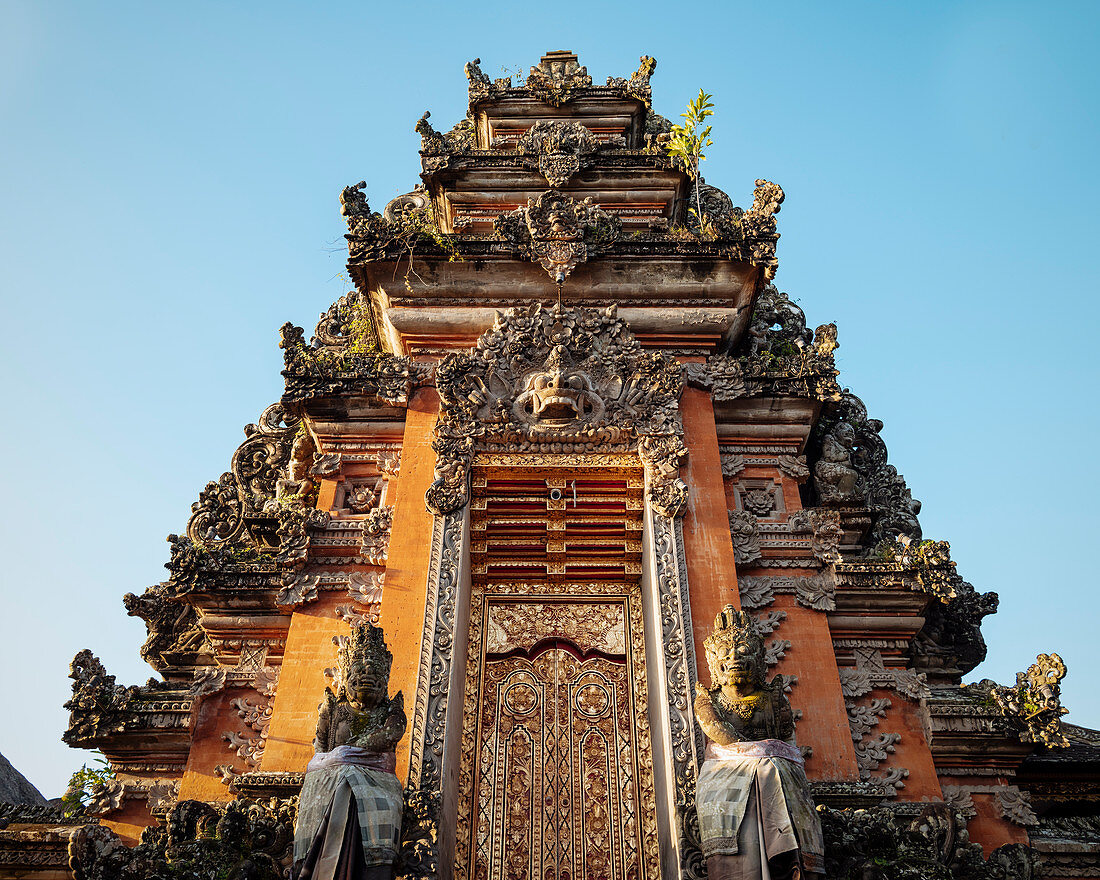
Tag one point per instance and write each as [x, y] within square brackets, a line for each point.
[332, 780]
[788, 817]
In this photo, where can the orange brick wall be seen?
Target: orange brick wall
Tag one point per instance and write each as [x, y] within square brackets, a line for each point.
[208, 749]
[824, 723]
[712, 573]
[410, 556]
[309, 651]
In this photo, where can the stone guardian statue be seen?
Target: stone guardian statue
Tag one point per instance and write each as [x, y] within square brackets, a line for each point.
[349, 813]
[756, 817]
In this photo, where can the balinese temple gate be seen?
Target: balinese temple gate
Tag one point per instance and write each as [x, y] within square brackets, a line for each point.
[563, 419]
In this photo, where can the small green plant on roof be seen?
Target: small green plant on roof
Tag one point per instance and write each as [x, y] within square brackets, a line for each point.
[84, 783]
[686, 144]
[418, 225]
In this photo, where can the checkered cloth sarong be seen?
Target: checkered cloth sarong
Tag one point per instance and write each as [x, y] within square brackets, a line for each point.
[727, 778]
[332, 780]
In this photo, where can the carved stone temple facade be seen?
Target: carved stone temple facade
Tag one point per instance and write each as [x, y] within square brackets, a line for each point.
[561, 422]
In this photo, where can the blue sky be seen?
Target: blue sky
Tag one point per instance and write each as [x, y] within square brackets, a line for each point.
[169, 180]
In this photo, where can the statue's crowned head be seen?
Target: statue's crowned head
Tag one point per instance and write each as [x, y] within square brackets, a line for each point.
[365, 665]
[735, 650]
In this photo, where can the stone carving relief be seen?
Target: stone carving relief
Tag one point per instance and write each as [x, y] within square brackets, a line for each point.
[870, 672]
[559, 150]
[420, 854]
[951, 642]
[365, 591]
[558, 232]
[852, 470]
[1015, 806]
[238, 839]
[794, 466]
[208, 680]
[679, 655]
[222, 513]
[732, 465]
[1033, 707]
[959, 799]
[824, 526]
[460, 139]
[872, 750]
[389, 463]
[835, 477]
[744, 531]
[637, 85]
[256, 716]
[98, 705]
[175, 639]
[777, 355]
[557, 78]
[377, 526]
[298, 589]
[105, 797]
[758, 502]
[559, 380]
[756, 592]
[816, 591]
[923, 840]
[361, 497]
[344, 356]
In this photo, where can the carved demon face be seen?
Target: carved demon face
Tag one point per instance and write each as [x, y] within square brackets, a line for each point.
[735, 652]
[742, 664]
[558, 396]
[366, 683]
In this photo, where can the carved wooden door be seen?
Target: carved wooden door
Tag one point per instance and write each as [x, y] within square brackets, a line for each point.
[557, 793]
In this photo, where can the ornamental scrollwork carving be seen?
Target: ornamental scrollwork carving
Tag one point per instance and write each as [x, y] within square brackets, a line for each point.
[777, 355]
[558, 232]
[221, 515]
[1033, 707]
[950, 642]
[377, 526]
[298, 589]
[870, 672]
[344, 359]
[559, 380]
[1015, 806]
[906, 841]
[825, 530]
[817, 591]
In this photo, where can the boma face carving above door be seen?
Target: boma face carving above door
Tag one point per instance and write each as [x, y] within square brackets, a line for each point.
[556, 397]
[559, 380]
